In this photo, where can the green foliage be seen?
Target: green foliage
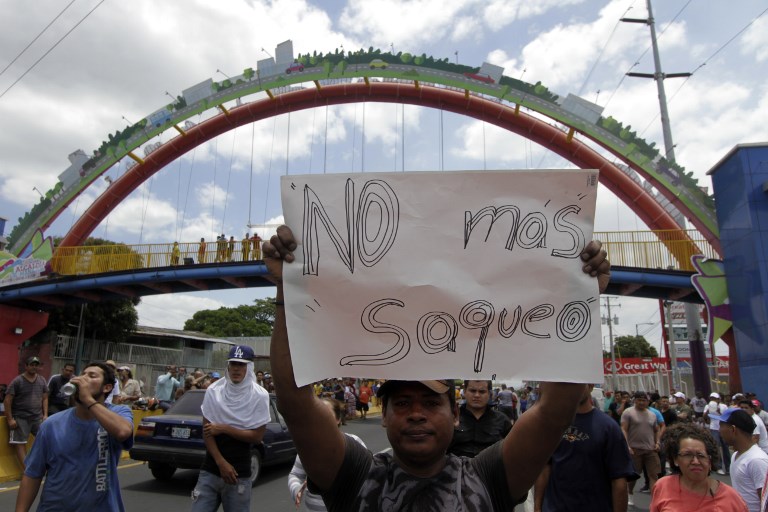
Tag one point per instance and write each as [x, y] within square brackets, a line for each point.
[633, 346]
[256, 320]
[406, 58]
[249, 73]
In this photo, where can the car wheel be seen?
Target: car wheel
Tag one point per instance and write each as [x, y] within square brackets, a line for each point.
[288, 71]
[163, 472]
[255, 466]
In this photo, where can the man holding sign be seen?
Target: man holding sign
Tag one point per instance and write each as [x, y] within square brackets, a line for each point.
[419, 416]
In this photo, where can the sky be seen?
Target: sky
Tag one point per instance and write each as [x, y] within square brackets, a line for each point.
[101, 65]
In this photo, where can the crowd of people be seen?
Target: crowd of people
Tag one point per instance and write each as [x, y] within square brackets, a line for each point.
[550, 447]
[223, 250]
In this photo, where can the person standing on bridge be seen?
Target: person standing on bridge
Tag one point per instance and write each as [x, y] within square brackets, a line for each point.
[246, 246]
[201, 251]
[256, 247]
[230, 248]
[175, 254]
[77, 451]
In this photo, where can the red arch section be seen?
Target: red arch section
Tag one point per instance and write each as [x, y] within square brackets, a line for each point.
[641, 202]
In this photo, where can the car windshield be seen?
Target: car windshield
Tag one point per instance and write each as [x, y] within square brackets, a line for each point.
[189, 403]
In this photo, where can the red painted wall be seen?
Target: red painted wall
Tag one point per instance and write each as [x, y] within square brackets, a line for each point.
[30, 322]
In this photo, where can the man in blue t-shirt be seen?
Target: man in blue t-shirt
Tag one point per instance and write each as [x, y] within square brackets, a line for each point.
[77, 450]
[590, 468]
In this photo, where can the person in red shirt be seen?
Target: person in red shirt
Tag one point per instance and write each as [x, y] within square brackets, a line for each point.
[363, 397]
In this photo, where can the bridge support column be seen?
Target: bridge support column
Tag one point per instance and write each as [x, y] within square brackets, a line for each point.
[740, 181]
[16, 326]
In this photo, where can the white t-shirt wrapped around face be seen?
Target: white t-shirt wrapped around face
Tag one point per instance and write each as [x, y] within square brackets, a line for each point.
[714, 408]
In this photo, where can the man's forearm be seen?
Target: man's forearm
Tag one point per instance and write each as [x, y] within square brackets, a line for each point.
[540, 487]
[27, 493]
[251, 436]
[619, 494]
[115, 425]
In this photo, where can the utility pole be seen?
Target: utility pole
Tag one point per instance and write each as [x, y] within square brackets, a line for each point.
[672, 351]
[692, 319]
[609, 321]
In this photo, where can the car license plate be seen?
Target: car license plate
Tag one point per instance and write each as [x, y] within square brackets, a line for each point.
[180, 432]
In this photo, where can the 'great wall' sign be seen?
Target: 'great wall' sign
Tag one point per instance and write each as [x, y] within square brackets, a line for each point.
[645, 365]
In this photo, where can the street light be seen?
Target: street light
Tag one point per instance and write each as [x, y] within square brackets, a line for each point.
[223, 73]
[270, 55]
[170, 95]
[35, 189]
[126, 120]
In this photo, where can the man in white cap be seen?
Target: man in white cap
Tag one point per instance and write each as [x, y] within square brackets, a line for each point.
[682, 410]
[715, 408]
[235, 413]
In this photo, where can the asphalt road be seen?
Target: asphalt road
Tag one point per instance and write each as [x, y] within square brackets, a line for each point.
[142, 493]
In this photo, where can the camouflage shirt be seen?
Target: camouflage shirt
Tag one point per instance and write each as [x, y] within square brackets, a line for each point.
[369, 482]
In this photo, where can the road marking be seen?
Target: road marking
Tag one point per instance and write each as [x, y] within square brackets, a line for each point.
[131, 465]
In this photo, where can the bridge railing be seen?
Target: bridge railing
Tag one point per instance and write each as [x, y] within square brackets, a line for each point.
[655, 249]
[97, 259]
[641, 249]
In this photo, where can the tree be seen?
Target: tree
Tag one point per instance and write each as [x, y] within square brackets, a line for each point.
[633, 346]
[244, 320]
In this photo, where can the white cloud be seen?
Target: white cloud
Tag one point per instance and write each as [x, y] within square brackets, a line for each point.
[500, 13]
[407, 24]
[755, 40]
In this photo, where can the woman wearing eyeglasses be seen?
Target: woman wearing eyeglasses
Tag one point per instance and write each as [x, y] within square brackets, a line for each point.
[692, 451]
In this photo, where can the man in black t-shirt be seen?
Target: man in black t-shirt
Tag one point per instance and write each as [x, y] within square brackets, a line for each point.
[419, 416]
[479, 425]
[58, 401]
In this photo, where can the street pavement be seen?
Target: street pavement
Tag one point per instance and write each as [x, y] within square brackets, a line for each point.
[142, 493]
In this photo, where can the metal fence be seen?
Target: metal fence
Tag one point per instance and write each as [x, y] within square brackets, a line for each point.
[643, 249]
[146, 362]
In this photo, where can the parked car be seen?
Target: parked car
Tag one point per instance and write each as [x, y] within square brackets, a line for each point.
[378, 64]
[175, 439]
[296, 66]
[481, 77]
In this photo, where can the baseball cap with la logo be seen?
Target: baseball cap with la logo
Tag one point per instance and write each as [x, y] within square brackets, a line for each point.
[241, 354]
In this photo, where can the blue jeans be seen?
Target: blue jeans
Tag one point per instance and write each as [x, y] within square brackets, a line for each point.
[211, 491]
[725, 453]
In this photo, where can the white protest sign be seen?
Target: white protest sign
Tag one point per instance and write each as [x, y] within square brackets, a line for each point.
[426, 275]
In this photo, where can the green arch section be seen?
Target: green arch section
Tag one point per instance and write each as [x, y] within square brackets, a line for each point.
[326, 68]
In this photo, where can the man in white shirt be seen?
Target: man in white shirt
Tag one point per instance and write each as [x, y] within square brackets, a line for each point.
[749, 463]
[760, 434]
[714, 409]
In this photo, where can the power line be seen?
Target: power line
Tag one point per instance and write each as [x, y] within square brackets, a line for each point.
[51, 49]
[600, 55]
[722, 47]
[36, 38]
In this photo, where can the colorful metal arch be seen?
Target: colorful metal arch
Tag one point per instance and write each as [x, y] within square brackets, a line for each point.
[499, 114]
